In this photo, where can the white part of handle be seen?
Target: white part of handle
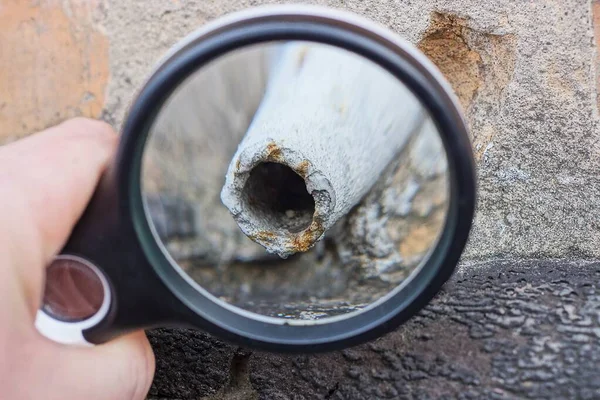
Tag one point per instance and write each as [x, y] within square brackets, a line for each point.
[71, 333]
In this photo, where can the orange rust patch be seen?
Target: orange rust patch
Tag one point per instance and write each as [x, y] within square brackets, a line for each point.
[238, 164]
[264, 235]
[302, 169]
[274, 153]
[53, 64]
[305, 240]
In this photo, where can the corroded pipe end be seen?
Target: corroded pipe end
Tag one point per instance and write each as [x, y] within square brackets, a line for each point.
[278, 199]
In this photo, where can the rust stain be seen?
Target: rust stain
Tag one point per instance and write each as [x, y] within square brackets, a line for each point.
[274, 153]
[238, 164]
[264, 236]
[302, 168]
[302, 242]
[306, 239]
[53, 64]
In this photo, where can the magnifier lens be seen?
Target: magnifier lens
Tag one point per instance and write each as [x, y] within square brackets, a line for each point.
[73, 290]
[295, 180]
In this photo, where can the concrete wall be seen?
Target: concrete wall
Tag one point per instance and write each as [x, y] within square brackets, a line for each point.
[526, 73]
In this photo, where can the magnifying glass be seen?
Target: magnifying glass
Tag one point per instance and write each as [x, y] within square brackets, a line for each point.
[289, 178]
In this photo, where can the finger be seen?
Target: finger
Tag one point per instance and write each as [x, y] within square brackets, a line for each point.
[119, 370]
[53, 173]
[47, 180]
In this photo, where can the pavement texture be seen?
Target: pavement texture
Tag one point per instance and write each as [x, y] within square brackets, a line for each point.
[498, 330]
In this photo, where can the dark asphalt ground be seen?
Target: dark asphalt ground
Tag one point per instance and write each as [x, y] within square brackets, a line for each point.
[498, 330]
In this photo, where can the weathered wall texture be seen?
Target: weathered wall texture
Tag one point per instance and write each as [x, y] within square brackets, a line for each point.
[53, 64]
[526, 73]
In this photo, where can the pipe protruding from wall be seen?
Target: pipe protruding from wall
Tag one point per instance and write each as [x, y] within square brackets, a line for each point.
[329, 124]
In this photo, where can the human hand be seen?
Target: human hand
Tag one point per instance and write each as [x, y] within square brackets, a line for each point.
[46, 180]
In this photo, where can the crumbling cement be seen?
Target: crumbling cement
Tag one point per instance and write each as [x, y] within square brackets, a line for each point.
[478, 64]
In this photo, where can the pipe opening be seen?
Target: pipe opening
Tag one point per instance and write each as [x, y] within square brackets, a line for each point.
[276, 198]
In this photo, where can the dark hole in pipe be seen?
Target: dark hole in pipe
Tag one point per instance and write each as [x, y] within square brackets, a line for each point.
[277, 198]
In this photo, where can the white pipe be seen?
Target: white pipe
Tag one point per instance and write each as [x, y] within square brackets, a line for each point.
[337, 120]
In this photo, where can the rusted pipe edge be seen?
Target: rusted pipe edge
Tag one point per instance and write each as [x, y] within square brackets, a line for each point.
[317, 185]
[335, 119]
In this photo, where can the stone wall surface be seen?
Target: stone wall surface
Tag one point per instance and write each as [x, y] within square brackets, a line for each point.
[526, 73]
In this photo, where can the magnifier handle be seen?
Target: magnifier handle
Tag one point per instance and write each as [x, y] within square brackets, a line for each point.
[102, 285]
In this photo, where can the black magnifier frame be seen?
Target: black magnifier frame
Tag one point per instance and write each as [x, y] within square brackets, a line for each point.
[148, 289]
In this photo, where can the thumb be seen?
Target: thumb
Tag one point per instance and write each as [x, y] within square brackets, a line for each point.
[119, 370]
